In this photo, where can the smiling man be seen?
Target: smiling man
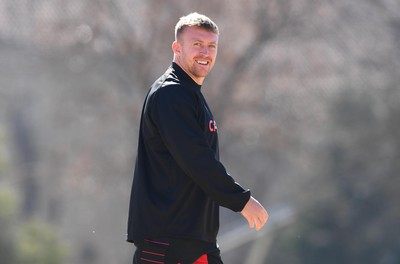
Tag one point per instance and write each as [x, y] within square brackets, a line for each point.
[195, 50]
[179, 182]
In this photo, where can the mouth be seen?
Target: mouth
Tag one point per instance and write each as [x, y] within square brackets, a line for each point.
[202, 62]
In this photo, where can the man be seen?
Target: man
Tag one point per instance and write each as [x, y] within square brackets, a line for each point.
[179, 182]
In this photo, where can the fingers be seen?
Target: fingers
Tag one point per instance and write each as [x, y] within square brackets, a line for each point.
[251, 224]
[261, 220]
[255, 214]
[249, 219]
[257, 222]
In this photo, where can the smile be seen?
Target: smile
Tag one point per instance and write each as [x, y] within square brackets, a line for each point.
[201, 62]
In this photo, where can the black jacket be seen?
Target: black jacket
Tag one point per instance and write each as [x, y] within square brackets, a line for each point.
[179, 182]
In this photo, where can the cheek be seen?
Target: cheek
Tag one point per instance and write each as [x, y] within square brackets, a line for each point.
[190, 53]
[213, 52]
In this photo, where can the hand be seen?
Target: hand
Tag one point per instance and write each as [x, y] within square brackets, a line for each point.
[255, 214]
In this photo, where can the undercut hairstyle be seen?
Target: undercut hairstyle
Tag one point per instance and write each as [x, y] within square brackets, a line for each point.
[195, 19]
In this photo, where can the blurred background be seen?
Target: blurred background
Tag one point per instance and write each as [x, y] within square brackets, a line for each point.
[306, 96]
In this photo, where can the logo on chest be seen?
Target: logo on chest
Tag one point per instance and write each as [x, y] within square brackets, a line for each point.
[212, 126]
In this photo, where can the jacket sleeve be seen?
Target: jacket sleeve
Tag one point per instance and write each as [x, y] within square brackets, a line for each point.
[174, 112]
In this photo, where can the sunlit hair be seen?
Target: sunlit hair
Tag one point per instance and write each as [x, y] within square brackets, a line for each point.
[195, 19]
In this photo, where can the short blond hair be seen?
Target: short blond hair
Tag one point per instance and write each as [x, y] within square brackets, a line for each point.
[195, 19]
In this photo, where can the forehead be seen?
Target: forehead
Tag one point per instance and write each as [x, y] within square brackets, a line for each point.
[195, 33]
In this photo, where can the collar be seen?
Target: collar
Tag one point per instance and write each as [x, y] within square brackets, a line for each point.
[183, 76]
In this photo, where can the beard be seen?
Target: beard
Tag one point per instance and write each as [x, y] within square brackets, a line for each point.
[192, 67]
[199, 71]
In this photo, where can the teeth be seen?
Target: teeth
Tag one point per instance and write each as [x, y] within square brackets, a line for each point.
[202, 62]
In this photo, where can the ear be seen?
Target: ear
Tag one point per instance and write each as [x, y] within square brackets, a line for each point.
[176, 47]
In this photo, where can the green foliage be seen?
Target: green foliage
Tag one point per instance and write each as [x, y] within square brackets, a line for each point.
[39, 245]
[27, 242]
[8, 208]
[7, 227]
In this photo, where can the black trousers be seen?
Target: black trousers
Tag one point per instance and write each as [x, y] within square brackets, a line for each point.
[161, 252]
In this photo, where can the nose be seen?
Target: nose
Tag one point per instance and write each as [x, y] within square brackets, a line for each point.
[204, 50]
